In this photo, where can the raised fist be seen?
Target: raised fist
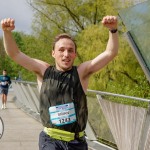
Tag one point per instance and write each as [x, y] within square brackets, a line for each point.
[8, 24]
[111, 22]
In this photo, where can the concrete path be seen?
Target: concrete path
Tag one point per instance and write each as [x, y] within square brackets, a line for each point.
[21, 132]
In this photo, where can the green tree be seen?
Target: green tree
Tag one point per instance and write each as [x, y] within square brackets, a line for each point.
[69, 16]
[2, 54]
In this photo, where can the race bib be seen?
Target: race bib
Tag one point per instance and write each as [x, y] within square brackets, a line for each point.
[3, 83]
[62, 114]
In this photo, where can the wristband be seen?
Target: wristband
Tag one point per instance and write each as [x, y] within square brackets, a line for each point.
[113, 30]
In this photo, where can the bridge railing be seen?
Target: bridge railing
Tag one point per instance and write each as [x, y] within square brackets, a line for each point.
[122, 122]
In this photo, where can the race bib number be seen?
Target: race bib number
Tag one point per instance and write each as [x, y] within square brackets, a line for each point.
[62, 114]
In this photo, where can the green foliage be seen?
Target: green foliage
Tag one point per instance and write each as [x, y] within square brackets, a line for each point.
[123, 75]
[91, 42]
[2, 54]
[69, 16]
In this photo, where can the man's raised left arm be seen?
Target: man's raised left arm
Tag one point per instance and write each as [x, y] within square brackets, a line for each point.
[94, 65]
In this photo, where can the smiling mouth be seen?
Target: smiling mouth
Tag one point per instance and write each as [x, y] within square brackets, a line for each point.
[66, 61]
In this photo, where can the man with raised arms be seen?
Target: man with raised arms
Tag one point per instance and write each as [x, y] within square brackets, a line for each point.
[63, 86]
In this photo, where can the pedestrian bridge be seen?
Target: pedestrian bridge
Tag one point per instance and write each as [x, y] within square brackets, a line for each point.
[111, 125]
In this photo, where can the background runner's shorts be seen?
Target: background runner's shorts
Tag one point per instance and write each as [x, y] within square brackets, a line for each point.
[4, 91]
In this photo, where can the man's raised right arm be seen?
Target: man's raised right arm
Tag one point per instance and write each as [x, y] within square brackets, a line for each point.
[11, 48]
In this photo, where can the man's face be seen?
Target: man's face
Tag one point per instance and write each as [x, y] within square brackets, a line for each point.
[4, 73]
[64, 54]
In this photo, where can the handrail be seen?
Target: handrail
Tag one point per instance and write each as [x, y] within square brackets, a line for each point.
[119, 95]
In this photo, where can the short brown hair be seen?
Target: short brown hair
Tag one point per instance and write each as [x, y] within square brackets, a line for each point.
[64, 36]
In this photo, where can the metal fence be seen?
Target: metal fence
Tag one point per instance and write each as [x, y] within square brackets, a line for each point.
[122, 122]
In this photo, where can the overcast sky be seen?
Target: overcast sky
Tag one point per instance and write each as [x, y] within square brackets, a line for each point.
[20, 11]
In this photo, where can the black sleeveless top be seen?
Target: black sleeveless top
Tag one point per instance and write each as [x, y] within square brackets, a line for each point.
[60, 88]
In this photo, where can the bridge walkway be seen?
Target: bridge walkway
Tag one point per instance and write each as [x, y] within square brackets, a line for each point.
[21, 131]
